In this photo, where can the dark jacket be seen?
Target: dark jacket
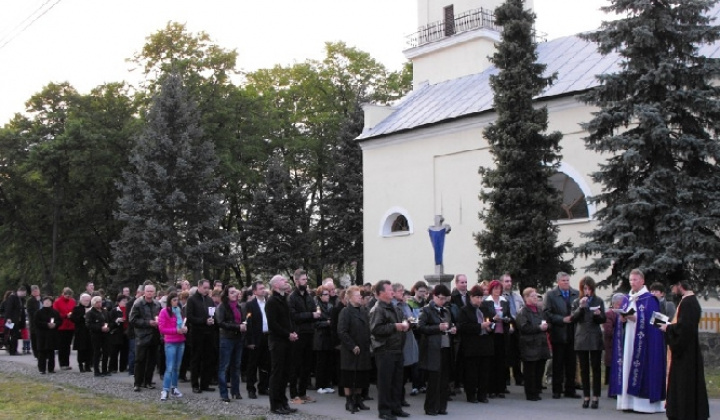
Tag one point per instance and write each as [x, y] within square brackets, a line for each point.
[323, 328]
[533, 340]
[95, 319]
[15, 311]
[141, 314]
[254, 333]
[47, 339]
[280, 323]
[475, 340]
[302, 308]
[588, 334]
[556, 308]
[385, 338]
[334, 319]
[225, 319]
[431, 341]
[456, 303]
[197, 313]
[117, 332]
[354, 330]
[81, 340]
[33, 305]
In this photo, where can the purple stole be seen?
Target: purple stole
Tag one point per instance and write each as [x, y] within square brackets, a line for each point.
[647, 374]
[616, 370]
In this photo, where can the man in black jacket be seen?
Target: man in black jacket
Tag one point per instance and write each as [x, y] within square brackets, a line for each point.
[304, 314]
[15, 314]
[387, 330]
[143, 318]
[256, 342]
[281, 335]
[33, 305]
[562, 336]
[199, 311]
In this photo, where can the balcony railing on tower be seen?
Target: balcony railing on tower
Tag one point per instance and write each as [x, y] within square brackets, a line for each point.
[466, 21]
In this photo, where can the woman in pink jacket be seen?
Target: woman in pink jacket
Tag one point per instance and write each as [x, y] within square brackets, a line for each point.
[173, 329]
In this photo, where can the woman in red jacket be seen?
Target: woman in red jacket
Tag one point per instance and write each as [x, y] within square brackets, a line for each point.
[64, 305]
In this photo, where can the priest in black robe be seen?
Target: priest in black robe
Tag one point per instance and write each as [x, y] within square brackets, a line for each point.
[686, 396]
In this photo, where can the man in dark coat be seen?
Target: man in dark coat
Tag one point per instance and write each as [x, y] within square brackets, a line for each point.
[281, 335]
[687, 395]
[562, 336]
[256, 341]
[15, 314]
[143, 317]
[388, 337]
[304, 315]
[33, 304]
[199, 311]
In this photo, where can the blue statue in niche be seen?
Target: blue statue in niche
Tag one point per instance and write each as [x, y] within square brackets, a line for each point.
[437, 238]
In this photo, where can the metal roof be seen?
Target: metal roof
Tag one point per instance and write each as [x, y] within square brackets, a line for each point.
[577, 62]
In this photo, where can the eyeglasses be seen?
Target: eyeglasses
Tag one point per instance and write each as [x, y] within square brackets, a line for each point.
[326, 294]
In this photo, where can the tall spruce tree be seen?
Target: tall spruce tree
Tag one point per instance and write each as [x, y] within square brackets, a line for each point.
[658, 121]
[519, 235]
[274, 222]
[169, 202]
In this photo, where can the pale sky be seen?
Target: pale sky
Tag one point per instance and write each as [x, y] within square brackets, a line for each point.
[86, 42]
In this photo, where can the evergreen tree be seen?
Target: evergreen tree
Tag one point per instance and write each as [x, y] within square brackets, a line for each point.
[274, 223]
[169, 202]
[519, 235]
[658, 120]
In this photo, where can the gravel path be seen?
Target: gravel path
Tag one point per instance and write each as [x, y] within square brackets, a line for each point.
[120, 386]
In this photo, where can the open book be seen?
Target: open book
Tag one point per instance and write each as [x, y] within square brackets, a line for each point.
[658, 319]
[622, 312]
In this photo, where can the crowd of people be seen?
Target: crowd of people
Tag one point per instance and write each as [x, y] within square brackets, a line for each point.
[440, 342]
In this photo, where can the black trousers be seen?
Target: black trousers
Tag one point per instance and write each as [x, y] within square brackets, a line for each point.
[145, 358]
[100, 352]
[118, 349]
[33, 343]
[563, 368]
[389, 381]
[436, 398]
[533, 377]
[201, 360]
[65, 338]
[280, 356]
[590, 360]
[46, 360]
[302, 364]
[258, 361]
[477, 374]
[514, 358]
[498, 366]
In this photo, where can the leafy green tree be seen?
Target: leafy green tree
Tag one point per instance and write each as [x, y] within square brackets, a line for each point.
[519, 235]
[59, 165]
[658, 120]
[170, 203]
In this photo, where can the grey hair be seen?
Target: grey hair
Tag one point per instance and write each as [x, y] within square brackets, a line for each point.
[561, 275]
[617, 297]
[94, 300]
[276, 278]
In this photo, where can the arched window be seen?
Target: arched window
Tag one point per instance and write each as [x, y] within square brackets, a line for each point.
[400, 224]
[396, 222]
[574, 204]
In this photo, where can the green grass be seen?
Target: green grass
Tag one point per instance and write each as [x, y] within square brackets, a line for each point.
[712, 380]
[26, 398]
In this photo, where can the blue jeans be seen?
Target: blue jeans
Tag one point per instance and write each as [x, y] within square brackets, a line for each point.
[173, 358]
[230, 357]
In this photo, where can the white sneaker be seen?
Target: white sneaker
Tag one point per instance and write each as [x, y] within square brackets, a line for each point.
[163, 395]
[321, 391]
[329, 390]
[176, 393]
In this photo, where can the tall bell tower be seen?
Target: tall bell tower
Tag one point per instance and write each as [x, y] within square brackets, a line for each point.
[455, 38]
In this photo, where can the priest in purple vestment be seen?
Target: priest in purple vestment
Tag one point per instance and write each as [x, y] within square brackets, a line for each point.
[643, 361]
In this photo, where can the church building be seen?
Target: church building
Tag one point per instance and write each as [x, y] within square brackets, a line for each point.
[421, 156]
